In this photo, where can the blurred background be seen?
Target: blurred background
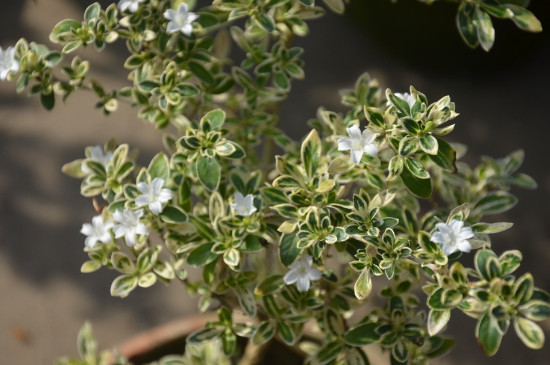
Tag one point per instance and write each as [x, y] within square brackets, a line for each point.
[502, 97]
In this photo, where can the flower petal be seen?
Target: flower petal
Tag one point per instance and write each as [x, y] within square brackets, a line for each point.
[142, 200]
[165, 195]
[314, 274]
[371, 150]
[291, 277]
[438, 237]
[141, 229]
[303, 284]
[155, 207]
[356, 156]
[169, 14]
[344, 144]
[354, 132]
[464, 246]
[87, 229]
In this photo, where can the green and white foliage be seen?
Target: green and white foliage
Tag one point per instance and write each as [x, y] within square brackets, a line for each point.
[374, 193]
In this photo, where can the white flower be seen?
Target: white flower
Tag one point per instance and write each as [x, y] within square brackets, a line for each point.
[453, 237]
[131, 5]
[180, 19]
[244, 205]
[7, 62]
[405, 96]
[97, 231]
[97, 154]
[129, 225]
[153, 195]
[302, 273]
[358, 143]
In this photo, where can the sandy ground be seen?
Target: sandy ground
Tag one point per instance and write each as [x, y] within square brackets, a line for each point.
[502, 98]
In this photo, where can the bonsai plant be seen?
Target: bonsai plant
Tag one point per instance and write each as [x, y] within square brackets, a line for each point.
[289, 233]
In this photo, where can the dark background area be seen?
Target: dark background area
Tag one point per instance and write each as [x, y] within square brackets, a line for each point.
[502, 98]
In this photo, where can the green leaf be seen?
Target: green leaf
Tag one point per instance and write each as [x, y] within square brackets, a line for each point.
[445, 157]
[488, 334]
[286, 333]
[225, 148]
[146, 259]
[419, 187]
[187, 90]
[73, 169]
[148, 85]
[286, 182]
[64, 26]
[363, 285]
[215, 118]
[439, 346]
[509, 261]
[374, 116]
[122, 263]
[329, 352]
[465, 24]
[47, 100]
[485, 30]
[535, 310]
[428, 143]
[159, 167]
[231, 257]
[481, 262]
[201, 255]
[173, 215]
[263, 333]
[524, 19]
[87, 346]
[273, 195]
[247, 301]
[208, 172]
[90, 266]
[356, 356]
[205, 334]
[416, 168]
[269, 285]
[497, 10]
[362, 334]
[288, 250]
[251, 244]
[490, 228]
[147, 280]
[408, 146]
[311, 153]
[281, 80]
[336, 6]
[529, 333]
[495, 202]
[200, 72]
[123, 285]
[91, 15]
[134, 61]
[401, 105]
[523, 288]
[437, 320]
[267, 22]
[411, 125]
[53, 58]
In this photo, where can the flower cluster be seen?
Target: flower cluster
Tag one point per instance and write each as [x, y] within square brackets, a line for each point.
[180, 20]
[373, 196]
[453, 237]
[358, 143]
[8, 63]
